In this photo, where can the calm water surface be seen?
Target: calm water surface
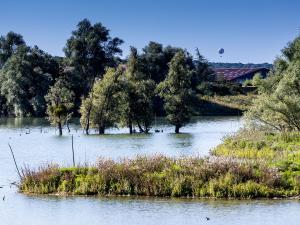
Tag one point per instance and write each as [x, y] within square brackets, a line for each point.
[35, 143]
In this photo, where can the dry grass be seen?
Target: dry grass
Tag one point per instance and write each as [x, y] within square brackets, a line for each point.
[240, 102]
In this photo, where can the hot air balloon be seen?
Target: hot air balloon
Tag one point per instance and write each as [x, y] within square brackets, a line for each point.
[221, 51]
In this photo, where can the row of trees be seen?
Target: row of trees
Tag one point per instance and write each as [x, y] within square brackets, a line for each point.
[27, 73]
[125, 96]
[93, 82]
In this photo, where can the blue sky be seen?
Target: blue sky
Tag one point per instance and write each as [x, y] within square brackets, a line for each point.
[249, 31]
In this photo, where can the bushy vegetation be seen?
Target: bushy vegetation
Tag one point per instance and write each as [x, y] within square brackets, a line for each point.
[278, 150]
[277, 106]
[218, 177]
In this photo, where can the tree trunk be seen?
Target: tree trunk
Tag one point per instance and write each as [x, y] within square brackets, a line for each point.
[67, 123]
[101, 130]
[141, 128]
[130, 128]
[59, 128]
[87, 126]
[177, 129]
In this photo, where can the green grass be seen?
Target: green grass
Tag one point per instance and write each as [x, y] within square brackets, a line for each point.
[224, 105]
[241, 102]
[272, 147]
[277, 150]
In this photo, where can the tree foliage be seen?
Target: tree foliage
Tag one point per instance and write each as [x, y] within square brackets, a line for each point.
[103, 101]
[25, 79]
[9, 45]
[88, 52]
[137, 95]
[59, 104]
[154, 61]
[177, 92]
[278, 104]
[202, 73]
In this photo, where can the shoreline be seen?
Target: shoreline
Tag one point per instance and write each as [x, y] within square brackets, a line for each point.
[129, 197]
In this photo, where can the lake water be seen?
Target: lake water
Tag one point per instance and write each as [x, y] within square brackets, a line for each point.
[35, 143]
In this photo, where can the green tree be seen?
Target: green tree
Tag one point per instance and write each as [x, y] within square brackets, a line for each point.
[9, 45]
[177, 92]
[59, 104]
[291, 52]
[137, 95]
[278, 104]
[202, 71]
[256, 80]
[88, 52]
[279, 110]
[25, 79]
[153, 62]
[105, 101]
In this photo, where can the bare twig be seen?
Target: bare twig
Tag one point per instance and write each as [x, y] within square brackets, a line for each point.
[12, 153]
[73, 151]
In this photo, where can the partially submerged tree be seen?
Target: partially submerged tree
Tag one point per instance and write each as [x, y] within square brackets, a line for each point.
[88, 52]
[177, 92]
[59, 104]
[137, 95]
[106, 97]
[278, 104]
[154, 61]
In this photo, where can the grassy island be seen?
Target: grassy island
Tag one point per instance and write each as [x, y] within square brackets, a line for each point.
[247, 165]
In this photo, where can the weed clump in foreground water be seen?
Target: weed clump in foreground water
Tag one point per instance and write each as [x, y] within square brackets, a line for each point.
[220, 177]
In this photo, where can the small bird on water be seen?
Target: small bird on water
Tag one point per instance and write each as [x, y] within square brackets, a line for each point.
[3, 198]
[207, 218]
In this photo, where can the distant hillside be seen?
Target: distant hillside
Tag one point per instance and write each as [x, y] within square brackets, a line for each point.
[240, 65]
